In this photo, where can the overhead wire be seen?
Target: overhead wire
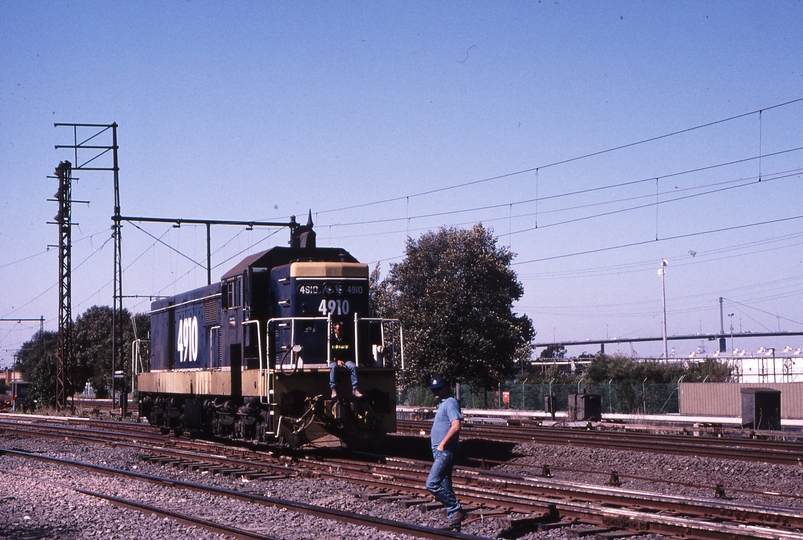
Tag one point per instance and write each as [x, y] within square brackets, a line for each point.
[565, 161]
[168, 246]
[640, 266]
[46, 251]
[664, 239]
[408, 218]
[580, 192]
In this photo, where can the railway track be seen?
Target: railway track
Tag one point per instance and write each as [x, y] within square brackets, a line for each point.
[747, 449]
[295, 506]
[545, 501]
[523, 502]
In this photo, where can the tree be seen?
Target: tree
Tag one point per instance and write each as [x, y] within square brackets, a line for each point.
[92, 347]
[454, 294]
[93, 342]
[554, 351]
[380, 296]
[36, 361]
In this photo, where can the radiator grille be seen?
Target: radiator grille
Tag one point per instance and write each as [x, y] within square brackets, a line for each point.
[210, 311]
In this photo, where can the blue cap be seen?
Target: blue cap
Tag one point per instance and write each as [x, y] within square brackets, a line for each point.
[436, 382]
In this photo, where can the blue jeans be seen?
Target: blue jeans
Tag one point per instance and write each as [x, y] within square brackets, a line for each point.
[439, 482]
[349, 365]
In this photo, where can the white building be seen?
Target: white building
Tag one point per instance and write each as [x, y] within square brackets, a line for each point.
[766, 365]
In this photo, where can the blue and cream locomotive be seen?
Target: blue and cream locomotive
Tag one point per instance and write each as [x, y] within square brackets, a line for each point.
[249, 358]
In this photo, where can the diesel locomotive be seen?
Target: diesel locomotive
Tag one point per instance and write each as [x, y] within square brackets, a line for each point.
[250, 357]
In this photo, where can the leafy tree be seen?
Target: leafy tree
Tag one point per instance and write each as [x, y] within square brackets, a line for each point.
[380, 296]
[623, 369]
[554, 351]
[36, 361]
[709, 369]
[454, 294]
[93, 341]
[540, 374]
[92, 346]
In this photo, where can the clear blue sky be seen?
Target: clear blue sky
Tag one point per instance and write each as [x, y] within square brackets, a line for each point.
[390, 119]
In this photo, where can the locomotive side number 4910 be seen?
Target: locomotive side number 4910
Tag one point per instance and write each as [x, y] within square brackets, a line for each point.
[187, 342]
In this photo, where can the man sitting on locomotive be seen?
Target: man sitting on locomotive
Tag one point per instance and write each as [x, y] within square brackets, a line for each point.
[342, 353]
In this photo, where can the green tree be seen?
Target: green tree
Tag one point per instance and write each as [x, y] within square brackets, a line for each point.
[36, 361]
[454, 294]
[630, 377]
[93, 339]
[380, 296]
[92, 346]
[623, 369]
[554, 351]
[710, 369]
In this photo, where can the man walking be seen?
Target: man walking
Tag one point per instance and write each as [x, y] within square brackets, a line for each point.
[445, 438]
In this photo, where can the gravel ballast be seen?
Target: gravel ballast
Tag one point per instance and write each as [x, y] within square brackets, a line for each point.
[37, 499]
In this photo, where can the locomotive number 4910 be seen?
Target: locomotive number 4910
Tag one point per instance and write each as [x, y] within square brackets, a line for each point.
[187, 343]
[333, 307]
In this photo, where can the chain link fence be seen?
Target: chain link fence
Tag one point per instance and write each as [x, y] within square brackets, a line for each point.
[615, 398]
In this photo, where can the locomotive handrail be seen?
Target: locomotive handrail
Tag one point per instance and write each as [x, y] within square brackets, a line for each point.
[382, 321]
[137, 366]
[357, 319]
[292, 321]
[262, 366]
[259, 347]
[401, 332]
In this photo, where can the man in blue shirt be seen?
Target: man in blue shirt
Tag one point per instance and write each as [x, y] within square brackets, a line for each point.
[445, 436]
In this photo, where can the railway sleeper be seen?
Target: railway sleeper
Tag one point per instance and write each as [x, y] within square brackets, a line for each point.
[407, 502]
[371, 496]
[388, 497]
[626, 523]
[517, 527]
[264, 476]
[492, 484]
[744, 516]
[582, 532]
[430, 506]
[615, 533]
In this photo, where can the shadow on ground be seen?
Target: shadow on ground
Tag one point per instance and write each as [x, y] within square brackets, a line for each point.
[471, 450]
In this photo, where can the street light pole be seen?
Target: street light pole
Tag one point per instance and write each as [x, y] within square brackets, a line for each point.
[773, 364]
[523, 408]
[662, 272]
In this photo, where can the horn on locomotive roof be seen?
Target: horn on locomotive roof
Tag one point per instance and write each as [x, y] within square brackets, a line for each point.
[303, 236]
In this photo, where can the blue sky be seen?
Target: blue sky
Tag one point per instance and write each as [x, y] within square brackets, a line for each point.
[550, 122]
